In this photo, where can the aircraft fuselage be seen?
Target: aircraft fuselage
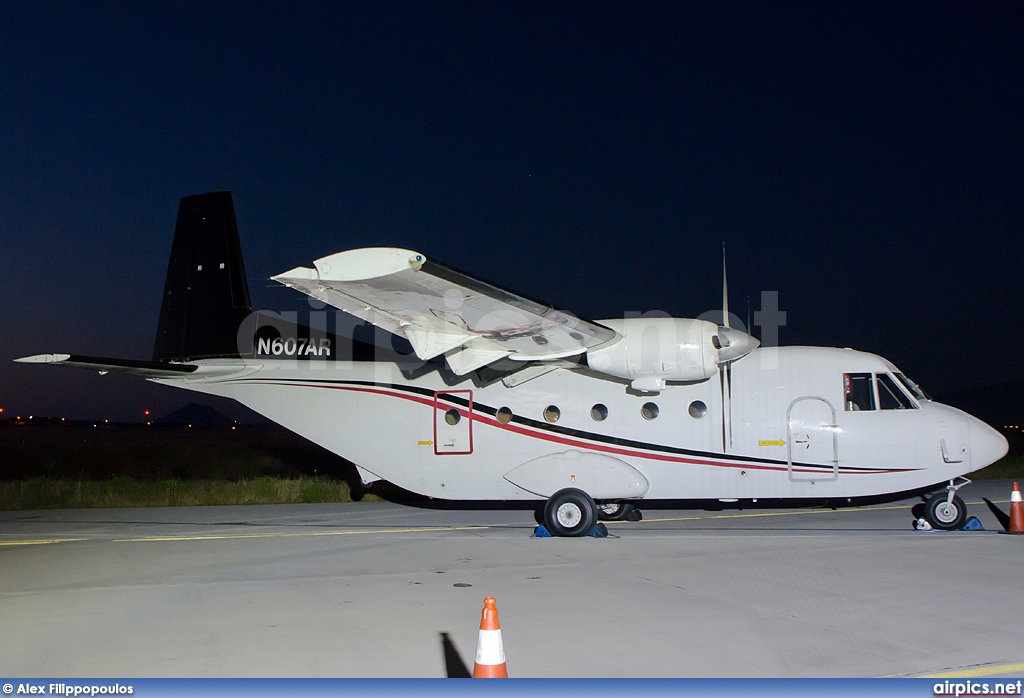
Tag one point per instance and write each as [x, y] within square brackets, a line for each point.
[788, 428]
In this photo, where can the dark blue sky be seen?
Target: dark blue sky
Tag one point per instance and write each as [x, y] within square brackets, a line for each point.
[865, 160]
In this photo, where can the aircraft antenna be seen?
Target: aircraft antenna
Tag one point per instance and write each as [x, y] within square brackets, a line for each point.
[725, 292]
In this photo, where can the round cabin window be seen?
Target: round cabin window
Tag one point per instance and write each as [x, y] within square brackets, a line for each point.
[599, 412]
[552, 413]
[452, 417]
[649, 411]
[698, 409]
[503, 415]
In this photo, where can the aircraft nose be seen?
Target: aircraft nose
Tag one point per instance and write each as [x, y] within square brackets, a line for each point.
[987, 444]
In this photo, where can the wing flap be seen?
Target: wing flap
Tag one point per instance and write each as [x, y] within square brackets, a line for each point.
[443, 311]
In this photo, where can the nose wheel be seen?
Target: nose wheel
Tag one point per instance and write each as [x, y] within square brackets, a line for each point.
[945, 510]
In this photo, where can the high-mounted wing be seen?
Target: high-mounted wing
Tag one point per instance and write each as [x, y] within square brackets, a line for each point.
[442, 311]
[147, 369]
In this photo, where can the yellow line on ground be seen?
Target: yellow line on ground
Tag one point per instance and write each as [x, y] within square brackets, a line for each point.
[39, 542]
[759, 514]
[293, 534]
[990, 670]
[800, 512]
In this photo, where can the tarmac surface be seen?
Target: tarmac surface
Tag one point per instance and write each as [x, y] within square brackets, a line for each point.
[386, 590]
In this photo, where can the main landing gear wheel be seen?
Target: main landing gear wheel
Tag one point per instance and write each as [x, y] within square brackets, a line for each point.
[570, 512]
[615, 511]
[943, 515]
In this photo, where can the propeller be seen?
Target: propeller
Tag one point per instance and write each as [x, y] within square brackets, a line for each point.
[732, 344]
[728, 344]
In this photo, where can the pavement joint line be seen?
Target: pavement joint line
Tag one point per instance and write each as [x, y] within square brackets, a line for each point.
[976, 671]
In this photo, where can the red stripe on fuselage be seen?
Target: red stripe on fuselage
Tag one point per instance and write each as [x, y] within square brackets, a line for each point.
[565, 440]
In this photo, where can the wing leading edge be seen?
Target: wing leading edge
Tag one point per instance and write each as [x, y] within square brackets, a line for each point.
[443, 311]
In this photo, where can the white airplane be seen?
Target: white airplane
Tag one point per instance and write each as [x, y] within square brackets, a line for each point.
[507, 399]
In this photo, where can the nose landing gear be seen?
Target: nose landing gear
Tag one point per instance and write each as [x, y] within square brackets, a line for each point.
[945, 510]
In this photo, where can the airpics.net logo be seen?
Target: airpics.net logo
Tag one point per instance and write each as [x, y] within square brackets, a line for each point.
[958, 689]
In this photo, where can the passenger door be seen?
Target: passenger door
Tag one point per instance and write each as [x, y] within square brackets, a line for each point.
[812, 439]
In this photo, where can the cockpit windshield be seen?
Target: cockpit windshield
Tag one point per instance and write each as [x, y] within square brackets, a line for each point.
[913, 387]
[890, 397]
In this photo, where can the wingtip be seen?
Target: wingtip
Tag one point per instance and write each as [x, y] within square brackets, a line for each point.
[296, 274]
[43, 359]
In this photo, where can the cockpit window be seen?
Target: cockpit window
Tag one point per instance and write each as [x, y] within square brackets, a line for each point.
[860, 392]
[913, 387]
[890, 397]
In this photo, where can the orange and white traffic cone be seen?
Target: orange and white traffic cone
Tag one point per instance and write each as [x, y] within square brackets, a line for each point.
[490, 655]
[1016, 511]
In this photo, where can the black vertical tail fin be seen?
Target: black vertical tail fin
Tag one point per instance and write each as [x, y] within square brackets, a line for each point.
[206, 296]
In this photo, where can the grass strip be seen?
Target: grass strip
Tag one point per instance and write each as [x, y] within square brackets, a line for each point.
[117, 492]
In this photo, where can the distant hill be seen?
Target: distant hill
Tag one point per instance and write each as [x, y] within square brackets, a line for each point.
[198, 416]
[999, 405]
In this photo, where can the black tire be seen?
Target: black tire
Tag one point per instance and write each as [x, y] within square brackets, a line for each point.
[570, 512]
[945, 517]
[614, 511]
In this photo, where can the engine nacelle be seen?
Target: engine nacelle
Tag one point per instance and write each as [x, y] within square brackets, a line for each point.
[654, 350]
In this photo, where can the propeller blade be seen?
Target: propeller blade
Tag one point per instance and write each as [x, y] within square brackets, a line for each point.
[725, 292]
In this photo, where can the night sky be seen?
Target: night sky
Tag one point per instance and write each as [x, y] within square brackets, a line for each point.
[864, 160]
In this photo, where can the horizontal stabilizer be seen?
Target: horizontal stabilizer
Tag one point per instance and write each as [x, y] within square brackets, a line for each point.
[147, 369]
